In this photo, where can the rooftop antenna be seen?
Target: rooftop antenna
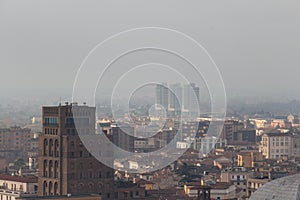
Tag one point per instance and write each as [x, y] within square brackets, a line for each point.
[59, 101]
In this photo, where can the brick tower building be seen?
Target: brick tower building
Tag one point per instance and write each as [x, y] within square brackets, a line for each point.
[65, 165]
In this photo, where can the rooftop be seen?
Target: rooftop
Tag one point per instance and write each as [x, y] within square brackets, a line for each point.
[277, 134]
[22, 179]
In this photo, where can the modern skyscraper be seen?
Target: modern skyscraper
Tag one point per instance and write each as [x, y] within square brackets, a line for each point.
[191, 97]
[65, 165]
[162, 96]
[175, 98]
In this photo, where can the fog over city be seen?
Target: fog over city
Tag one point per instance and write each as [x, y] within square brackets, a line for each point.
[149, 100]
[254, 43]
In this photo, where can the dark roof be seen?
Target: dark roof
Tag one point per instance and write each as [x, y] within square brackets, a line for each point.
[220, 185]
[278, 134]
[143, 181]
[22, 179]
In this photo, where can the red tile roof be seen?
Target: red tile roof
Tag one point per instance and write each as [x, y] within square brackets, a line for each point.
[22, 179]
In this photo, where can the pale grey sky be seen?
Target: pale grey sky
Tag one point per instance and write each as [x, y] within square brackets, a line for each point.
[255, 43]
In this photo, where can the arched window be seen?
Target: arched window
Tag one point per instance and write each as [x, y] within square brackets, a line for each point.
[50, 147]
[90, 174]
[56, 169]
[45, 147]
[100, 186]
[56, 151]
[50, 168]
[50, 188]
[45, 187]
[81, 186]
[91, 187]
[45, 168]
[56, 188]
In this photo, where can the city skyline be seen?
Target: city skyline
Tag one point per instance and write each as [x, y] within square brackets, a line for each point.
[149, 100]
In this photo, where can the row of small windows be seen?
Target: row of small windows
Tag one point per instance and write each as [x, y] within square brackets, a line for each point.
[51, 148]
[90, 186]
[72, 154]
[280, 143]
[51, 120]
[280, 138]
[90, 175]
[51, 131]
[280, 151]
[13, 187]
[278, 156]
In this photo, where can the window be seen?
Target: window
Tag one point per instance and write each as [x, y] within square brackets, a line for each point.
[56, 148]
[51, 120]
[45, 147]
[45, 185]
[50, 168]
[72, 165]
[80, 153]
[56, 169]
[55, 188]
[45, 168]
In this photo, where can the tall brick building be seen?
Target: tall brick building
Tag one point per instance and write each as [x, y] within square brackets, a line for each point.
[65, 165]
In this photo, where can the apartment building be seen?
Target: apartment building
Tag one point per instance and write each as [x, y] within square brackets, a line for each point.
[16, 187]
[276, 145]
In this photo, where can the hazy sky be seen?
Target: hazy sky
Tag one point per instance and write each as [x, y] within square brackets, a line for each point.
[255, 43]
